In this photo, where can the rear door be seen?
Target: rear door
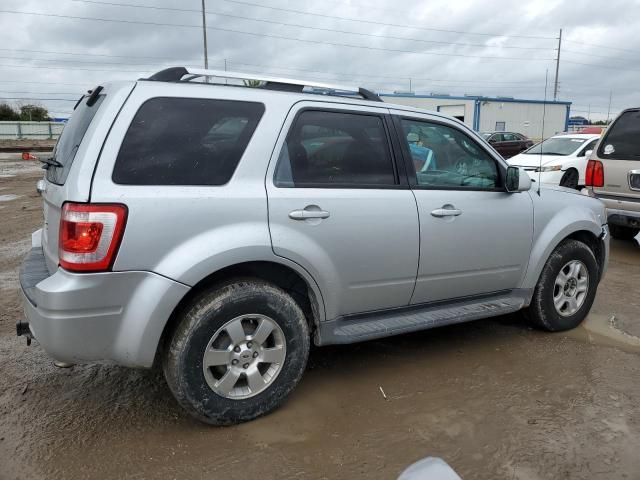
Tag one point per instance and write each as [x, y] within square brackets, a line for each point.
[475, 238]
[619, 151]
[340, 206]
[76, 153]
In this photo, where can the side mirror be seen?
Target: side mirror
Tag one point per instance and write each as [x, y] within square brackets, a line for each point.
[493, 140]
[517, 180]
[588, 153]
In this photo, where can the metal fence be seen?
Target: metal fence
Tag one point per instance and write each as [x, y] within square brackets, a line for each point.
[30, 130]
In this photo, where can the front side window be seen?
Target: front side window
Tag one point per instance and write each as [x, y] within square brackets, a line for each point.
[445, 157]
[510, 137]
[622, 139]
[335, 149]
[186, 141]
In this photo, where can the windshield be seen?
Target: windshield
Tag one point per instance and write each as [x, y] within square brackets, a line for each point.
[69, 141]
[556, 146]
[485, 135]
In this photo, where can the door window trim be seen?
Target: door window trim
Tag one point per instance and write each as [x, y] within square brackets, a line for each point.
[399, 169]
[410, 169]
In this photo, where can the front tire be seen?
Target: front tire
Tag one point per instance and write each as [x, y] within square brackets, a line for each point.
[566, 288]
[623, 233]
[237, 352]
[570, 179]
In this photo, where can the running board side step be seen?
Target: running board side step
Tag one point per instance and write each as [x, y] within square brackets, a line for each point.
[369, 326]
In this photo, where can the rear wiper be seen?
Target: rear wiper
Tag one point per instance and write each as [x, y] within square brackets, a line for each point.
[50, 162]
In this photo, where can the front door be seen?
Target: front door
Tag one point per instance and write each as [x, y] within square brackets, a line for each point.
[475, 238]
[340, 207]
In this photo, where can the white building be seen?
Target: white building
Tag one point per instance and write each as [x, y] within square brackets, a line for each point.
[488, 114]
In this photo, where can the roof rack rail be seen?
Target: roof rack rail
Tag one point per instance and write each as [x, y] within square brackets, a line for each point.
[177, 74]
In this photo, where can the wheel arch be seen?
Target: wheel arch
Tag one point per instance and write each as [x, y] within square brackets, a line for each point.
[290, 277]
[581, 233]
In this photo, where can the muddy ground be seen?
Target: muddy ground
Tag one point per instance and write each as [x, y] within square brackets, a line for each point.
[493, 398]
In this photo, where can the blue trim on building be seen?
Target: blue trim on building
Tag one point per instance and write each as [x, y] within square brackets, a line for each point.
[476, 98]
[476, 116]
[566, 120]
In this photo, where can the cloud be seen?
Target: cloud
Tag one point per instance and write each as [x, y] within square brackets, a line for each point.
[494, 55]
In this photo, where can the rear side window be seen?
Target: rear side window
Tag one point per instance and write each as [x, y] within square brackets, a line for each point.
[622, 139]
[186, 141]
[70, 139]
[334, 149]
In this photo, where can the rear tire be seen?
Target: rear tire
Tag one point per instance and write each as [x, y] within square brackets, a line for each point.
[237, 352]
[623, 233]
[566, 288]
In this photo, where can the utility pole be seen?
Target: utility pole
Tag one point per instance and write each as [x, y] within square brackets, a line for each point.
[555, 87]
[609, 108]
[410, 85]
[204, 36]
[589, 114]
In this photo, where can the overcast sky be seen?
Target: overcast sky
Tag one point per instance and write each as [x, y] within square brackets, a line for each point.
[443, 46]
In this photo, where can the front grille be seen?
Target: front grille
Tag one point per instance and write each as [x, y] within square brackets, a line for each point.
[634, 181]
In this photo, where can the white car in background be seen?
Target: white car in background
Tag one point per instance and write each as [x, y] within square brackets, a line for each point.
[559, 160]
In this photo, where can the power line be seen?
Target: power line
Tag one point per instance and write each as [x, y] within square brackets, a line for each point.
[609, 67]
[373, 22]
[79, 54]
[81, 62]
[345, 74]
[282, 37]
[600, 46]
[575, 52]
[323, 29]
[39, 93]
[72, 69]
[40, 83]
[41, 99]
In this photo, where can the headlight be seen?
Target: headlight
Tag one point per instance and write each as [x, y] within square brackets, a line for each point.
[550, 168]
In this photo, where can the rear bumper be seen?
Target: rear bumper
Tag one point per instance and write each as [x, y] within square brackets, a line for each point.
[113, 316]
[624, 218]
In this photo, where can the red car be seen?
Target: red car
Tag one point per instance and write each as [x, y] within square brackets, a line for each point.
[508, 144]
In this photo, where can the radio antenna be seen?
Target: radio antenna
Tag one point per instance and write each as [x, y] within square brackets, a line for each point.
[544, 114]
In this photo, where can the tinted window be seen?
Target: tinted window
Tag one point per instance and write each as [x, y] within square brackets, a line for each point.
[71, 137]
[622, 140]
[509, 137]
[333, 149]
[186, 141]
[497, 137]
[444, 157]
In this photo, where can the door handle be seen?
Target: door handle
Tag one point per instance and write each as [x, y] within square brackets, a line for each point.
[306, 214]
[446, 212]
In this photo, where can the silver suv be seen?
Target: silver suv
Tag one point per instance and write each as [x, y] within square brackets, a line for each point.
[613, 174]
[217, 229]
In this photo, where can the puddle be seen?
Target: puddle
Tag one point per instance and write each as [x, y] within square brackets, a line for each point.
[604, 330]
[8, 197]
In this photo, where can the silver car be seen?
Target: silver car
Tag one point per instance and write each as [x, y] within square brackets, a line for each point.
[218, 229]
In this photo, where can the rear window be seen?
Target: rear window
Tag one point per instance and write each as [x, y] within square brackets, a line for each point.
[186, 141]
[622, 139]
[70, 139]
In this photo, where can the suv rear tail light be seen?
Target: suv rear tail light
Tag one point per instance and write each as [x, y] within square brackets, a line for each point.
[594, 176]
[90, 235]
